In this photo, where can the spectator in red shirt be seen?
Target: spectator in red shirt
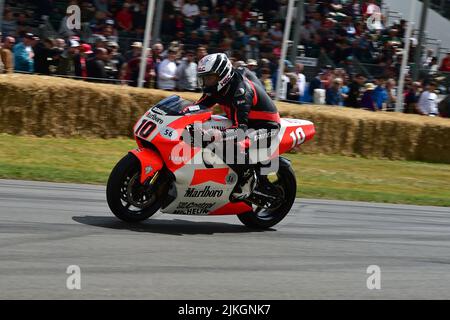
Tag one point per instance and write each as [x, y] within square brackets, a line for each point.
[245, 14]
[85, 52]
[179, 21]
[213, 23]
[234, 10]
[125, 18]
[133, 66]
[445, 67]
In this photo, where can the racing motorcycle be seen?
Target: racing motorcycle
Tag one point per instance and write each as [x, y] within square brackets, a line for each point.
[168, 172]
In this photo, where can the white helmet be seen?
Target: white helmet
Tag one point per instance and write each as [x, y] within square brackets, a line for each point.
[219, 64]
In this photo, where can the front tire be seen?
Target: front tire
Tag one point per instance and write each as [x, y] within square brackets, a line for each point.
[127, 198]
[267, 218]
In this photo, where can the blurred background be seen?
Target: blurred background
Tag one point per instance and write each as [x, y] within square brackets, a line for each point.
[334, 56]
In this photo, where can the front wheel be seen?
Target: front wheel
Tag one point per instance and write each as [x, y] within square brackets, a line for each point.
[265, 218]
[127, 198]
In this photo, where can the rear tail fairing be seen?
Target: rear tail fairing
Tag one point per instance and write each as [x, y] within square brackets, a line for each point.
[292, 133]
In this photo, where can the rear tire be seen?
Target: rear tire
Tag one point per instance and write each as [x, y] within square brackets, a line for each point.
[267, 218]
[127, 198]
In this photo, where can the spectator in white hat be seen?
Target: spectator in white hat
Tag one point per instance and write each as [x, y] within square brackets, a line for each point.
[69, 61]
[252, 49]
[239, 64]
[252, 64]
[136, 48]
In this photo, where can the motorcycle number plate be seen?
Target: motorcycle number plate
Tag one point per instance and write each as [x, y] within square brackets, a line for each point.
[145, 128]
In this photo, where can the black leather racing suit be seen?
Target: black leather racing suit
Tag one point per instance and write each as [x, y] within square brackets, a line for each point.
[248, 106]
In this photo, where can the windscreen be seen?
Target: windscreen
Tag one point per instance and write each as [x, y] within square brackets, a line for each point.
[171, 106]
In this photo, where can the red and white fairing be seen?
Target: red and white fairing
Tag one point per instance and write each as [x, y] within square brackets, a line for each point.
[201, 190]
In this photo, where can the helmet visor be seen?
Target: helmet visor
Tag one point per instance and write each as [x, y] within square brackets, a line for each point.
[208, 80]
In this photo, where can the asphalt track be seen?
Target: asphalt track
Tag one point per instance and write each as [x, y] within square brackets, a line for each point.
[320, 251]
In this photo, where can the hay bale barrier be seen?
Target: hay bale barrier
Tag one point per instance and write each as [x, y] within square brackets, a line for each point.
[50, 106]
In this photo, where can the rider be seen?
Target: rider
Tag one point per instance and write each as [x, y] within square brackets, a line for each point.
[246, 103]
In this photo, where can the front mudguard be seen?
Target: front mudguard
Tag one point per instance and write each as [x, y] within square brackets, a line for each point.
[150, 160]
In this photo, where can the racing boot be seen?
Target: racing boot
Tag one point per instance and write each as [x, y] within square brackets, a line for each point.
[245, 186]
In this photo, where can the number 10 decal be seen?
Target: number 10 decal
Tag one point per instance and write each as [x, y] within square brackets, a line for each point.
[298, 137]
[145, 128]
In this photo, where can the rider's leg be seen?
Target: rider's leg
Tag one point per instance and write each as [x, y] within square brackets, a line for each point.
[258, 151]
[235, 153]
[247, 177]
[258, 142]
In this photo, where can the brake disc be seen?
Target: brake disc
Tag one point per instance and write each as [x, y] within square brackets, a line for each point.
[136, 194]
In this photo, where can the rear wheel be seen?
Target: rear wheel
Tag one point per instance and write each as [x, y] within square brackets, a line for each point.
[266, 217]
[127, 198]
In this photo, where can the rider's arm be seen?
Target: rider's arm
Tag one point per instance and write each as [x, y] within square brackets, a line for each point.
[242, 103]
[206, 101]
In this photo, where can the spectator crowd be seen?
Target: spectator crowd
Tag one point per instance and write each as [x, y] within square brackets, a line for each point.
[108, 48]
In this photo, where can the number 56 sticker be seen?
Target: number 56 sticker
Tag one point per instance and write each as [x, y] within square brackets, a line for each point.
[169, 133]
[298, 137]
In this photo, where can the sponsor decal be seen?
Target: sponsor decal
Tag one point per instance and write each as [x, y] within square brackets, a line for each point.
[155, 118]
[218, 127]
[225, 80]
[190, 205]
[194, 212]
[216, 175]
[231, 178]
[206, 59]
[205, 192]
[159, 111]
[202, 64]
[194, 108]
[192, 208]
[265, 135]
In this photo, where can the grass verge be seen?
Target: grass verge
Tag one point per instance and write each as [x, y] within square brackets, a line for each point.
[319, 176]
